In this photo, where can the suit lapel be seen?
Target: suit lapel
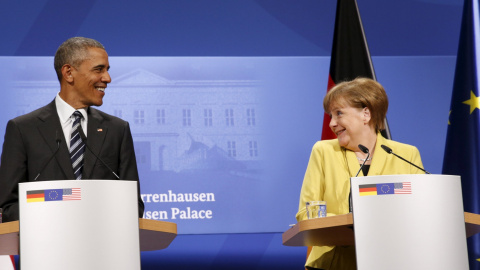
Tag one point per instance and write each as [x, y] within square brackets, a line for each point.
[51, 129]
[96, 132]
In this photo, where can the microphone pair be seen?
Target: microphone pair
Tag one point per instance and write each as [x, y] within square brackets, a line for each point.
[84, 139]
[389, 151]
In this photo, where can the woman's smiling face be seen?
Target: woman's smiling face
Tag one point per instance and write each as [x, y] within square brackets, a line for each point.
[348, 123]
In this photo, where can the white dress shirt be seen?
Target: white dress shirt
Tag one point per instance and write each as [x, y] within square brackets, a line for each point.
[65, 113]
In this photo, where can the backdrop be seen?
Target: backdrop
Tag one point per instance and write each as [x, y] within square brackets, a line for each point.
[224, 97]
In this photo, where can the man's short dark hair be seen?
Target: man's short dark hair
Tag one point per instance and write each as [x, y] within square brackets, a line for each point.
[73, 51]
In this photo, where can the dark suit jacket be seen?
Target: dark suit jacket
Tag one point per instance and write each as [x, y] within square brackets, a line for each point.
[30, 140]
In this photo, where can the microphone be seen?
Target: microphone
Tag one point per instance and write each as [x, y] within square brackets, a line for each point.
[84, 139]
[389, 151]
[364, 150]
[58, 140]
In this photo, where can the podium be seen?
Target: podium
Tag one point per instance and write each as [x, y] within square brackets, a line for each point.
[154, 235]
[338, 231]
[88, 224]
[428, 217]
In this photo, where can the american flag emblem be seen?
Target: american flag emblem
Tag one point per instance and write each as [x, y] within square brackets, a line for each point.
[403, 188]
[72, 194]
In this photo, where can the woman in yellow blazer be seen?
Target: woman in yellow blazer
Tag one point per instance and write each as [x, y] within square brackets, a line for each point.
[357, 109]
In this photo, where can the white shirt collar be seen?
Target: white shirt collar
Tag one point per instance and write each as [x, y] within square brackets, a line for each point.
[65, 111]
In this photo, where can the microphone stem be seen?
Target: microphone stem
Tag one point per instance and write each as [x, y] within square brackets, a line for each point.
[350, 206]
[84, 139]
[368, 155]
[48, 161]
[410, 163]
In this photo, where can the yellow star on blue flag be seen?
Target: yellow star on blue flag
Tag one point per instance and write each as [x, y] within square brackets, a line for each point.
[474, 102]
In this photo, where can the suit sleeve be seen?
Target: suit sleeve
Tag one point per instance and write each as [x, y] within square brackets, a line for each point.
[13, 170]
[128, 165]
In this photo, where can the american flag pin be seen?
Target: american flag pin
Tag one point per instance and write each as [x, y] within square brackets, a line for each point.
[99, 129]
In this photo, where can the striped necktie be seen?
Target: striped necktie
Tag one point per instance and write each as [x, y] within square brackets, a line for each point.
[77, 146]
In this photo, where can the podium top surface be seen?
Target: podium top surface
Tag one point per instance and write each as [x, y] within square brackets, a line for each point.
[338, 231]
[328, 231]
[154, 235]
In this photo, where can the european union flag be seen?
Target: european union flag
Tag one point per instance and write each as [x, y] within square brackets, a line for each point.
[53, 194]
[384, 189]
[462, 149]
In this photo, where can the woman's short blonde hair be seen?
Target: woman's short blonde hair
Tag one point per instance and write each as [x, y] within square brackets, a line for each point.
[360, 93]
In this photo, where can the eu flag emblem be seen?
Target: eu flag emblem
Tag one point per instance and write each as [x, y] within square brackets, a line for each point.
[386, 188]
[53, 194]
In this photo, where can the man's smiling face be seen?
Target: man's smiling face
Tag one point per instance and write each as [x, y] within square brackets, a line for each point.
[90, 79]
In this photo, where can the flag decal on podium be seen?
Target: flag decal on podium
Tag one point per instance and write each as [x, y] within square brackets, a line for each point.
[66, 194]
[72, 194]
[367, 190]
[403, 188]
[35, 196]
[385, 189]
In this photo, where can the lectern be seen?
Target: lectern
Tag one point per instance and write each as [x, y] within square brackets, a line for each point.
[88, 224]
[154, 235]
[400, 222]
[418, 218]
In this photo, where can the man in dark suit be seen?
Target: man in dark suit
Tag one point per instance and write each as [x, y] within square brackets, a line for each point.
[82, 68]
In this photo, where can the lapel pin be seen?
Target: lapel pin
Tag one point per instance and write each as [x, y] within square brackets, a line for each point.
[99, 129]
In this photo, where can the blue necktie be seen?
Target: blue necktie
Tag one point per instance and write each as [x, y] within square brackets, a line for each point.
[77, 146]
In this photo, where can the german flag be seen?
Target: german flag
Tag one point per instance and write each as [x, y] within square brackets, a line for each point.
[368, 190]
[35, 196]
[350, 56]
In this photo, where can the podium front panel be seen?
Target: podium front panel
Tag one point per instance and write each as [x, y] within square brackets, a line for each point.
[79, 224]
[409, 222]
